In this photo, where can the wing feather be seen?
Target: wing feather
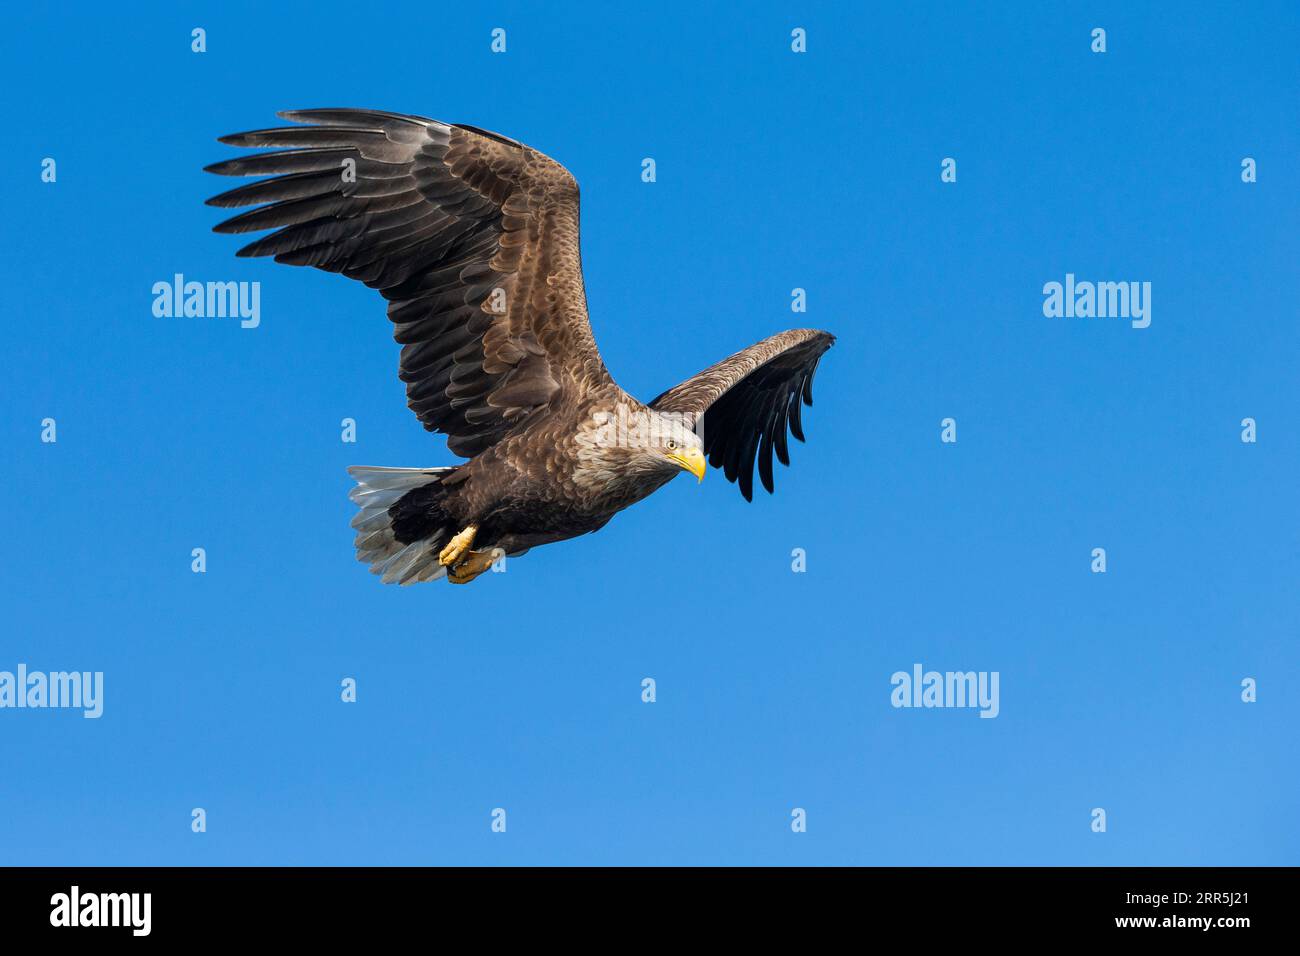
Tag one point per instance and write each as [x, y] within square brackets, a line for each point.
[470, 236]
[748, 402]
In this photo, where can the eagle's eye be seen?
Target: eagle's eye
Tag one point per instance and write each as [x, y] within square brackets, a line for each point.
[671, 444]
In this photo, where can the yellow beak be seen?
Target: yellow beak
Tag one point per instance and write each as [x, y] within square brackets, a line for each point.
[692, 460]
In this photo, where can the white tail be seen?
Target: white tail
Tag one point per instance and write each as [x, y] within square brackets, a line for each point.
[377, 490]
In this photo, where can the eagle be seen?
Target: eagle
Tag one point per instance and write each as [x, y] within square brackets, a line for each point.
[472, 238]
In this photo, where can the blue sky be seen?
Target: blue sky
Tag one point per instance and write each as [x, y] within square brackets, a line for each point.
[775, 170]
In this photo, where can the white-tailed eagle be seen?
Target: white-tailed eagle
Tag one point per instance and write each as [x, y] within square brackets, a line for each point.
[473, 240]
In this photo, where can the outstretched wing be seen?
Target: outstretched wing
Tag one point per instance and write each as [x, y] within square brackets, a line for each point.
[471, 237]
[749, 400]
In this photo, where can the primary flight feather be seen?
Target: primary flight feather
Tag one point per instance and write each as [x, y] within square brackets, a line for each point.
[473, 240]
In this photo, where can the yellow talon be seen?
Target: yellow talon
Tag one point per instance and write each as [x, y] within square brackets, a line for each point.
[472, 565]
[457, 546]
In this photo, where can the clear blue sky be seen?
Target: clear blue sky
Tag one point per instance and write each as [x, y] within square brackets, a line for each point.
[775, 170]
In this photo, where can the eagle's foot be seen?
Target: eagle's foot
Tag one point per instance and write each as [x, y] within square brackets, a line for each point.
[457, 546]
[472, 565]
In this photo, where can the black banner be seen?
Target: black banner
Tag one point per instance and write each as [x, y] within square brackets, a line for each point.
[182, 905]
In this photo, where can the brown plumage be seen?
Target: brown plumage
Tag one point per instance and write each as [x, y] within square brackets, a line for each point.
[473, 240]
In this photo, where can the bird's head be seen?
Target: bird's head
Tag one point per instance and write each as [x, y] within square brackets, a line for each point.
[664, 442]
[643, 445]
[684, 449]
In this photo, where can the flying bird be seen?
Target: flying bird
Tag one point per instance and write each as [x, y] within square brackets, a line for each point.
[472, 238]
